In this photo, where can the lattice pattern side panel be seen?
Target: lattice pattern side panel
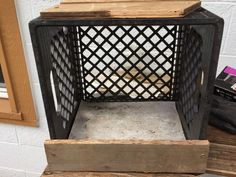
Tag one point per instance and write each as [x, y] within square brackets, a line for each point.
[191, 76]
[64, 75]
[128, 63]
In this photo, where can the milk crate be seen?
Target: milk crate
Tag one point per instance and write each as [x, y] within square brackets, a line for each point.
[128, 60]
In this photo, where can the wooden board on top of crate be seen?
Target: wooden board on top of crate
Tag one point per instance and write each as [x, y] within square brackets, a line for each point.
[122, 9]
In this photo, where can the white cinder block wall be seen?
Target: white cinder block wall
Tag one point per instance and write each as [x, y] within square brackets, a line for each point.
[21, 148]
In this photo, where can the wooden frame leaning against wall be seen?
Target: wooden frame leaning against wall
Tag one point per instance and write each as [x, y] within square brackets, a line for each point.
[18, 107]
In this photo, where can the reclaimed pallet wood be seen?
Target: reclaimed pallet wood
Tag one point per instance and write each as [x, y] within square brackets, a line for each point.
[131, 9]
[220, 137]
[222, 156]
[127, 156]
[106, 174]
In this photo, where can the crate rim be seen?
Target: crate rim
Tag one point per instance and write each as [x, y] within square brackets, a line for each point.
[198, 17]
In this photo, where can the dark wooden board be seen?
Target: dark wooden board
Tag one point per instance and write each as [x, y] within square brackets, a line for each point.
[222, 156]
[220, 137]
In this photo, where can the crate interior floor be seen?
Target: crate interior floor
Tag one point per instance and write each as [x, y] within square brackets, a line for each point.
[127, 120]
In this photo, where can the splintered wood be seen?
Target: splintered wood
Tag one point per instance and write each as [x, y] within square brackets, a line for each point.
[122, 9]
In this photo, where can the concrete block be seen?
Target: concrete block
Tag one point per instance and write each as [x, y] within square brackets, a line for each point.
[7, 172]
[31, 174]
[33, 158]
[33, 136]
[10, 156]
[223, 10]
[8, 133]
[230, 47]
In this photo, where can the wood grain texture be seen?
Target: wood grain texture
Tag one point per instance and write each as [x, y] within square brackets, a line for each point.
[15, 61]
[222, 156]
[220, 137]
[106, 174]
[147, 9]
[223, 152]
[221, 172]
[221, 165]
[127, 156]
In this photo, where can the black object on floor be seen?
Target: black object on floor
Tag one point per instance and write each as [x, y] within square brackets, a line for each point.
[223, 115]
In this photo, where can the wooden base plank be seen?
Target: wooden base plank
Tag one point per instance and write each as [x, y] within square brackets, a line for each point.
[127, 156]
[108, 1]
[105, 174]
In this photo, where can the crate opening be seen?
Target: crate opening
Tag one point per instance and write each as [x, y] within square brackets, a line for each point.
[155, 68]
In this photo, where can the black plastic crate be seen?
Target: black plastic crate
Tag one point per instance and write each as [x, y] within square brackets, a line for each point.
[162, 59]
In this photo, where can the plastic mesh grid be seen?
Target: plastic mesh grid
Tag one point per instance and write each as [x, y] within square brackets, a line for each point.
[192, 76]
[128, 63]
[64, 69]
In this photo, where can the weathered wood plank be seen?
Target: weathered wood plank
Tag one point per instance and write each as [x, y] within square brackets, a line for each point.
[221, 172]
[223, 152]
[220, 137]
[222, 156]
[221, 165]
[127, 156]
[105, 174]
[147, 9]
